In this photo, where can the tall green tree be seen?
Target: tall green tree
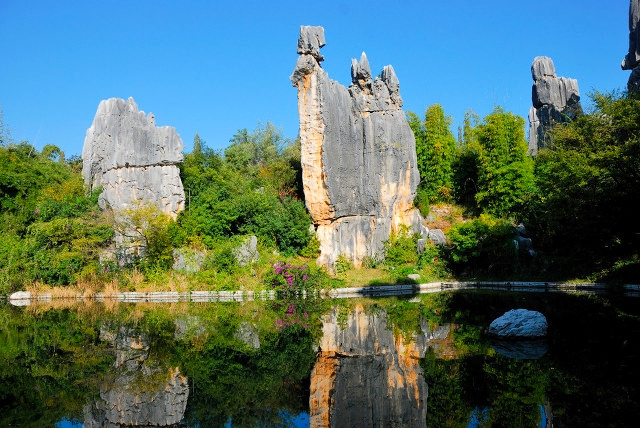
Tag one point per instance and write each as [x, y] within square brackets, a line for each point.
[5, 135]
[505, 174]
[466, 163]
[436, 151]
[588, 183]
[249, 151]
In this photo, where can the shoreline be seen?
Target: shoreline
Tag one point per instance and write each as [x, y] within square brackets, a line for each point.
[25, 298]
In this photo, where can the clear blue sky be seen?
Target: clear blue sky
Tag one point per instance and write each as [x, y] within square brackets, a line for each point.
[217, 67]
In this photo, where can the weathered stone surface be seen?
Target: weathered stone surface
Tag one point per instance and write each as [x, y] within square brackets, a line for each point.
[150, 397]
[631, 60]
[358, 156]
[555, 100]
[247, 253]
[437, 236]
[519, 323]
[132, 159]
[365, 376]
[310, 41]
[248, 334]
[20, 295]
[186, 260]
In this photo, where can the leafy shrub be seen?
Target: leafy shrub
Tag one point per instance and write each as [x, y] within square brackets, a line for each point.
[312, 249]
[148, 226]
[222, 259]
[401, 248]
[342, 265]
[422, 202]
[484, 245]
[372, 262]
[290, 281]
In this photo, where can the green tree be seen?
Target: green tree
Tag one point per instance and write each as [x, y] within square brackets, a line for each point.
[435, 150]
[251, 190]
[148, 226]
[249, 151]
[505, 173]
[5, 135]
[584, 211]
[197, 144]
[467, 163]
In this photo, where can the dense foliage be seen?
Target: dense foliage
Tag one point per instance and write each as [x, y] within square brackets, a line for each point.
[251, 189]
[51, 231]
[584, 214]
[505, 173]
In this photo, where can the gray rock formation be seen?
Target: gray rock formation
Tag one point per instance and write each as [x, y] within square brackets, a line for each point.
[132, 159]
[186, 260]
[631, 61]
[366, 376]
[555, 100]
[437, 236]
[247, 253]
[519, 323]
[248, 334]
[358, 155]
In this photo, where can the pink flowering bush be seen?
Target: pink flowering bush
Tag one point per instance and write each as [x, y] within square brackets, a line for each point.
[294, 315]
[290, 280]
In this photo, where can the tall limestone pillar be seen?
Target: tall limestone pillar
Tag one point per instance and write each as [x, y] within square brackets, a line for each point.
[358, 155]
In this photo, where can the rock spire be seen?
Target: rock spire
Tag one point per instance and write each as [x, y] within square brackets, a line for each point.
[631, 61]
[358, 155]
[555, 100]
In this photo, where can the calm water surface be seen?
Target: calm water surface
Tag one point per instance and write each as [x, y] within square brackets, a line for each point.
[414, 361]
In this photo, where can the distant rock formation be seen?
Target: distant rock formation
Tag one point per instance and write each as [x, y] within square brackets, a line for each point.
[366, 376]
[555, 100]
[358, 155]
[632, 60]
[132, 159]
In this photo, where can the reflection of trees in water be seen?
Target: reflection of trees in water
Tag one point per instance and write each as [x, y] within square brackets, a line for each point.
[240, 366]
[587, 377]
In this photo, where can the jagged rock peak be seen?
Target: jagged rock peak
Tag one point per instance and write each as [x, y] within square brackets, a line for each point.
[121, 135]
[555, 100]
[632, 59]
[361, 71]
[310, 41]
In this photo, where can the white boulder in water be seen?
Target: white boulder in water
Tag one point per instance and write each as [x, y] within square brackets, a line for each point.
[519, 323]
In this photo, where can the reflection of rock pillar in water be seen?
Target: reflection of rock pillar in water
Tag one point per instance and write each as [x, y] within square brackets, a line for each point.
[144, 392]
[364, 376]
